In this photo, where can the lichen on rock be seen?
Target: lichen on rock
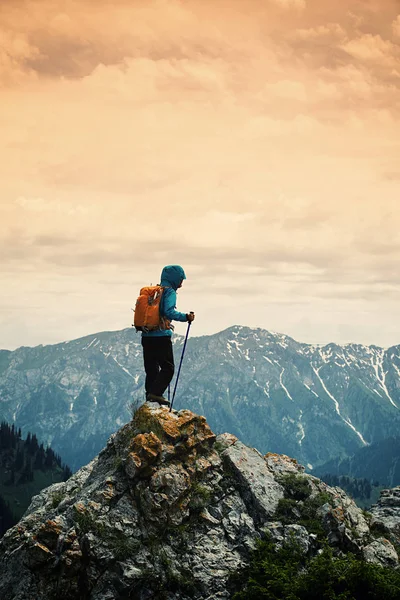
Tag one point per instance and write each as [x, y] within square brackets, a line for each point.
[168, 511]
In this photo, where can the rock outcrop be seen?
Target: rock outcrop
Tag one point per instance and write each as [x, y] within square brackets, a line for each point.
[170, 511]
[386, 514]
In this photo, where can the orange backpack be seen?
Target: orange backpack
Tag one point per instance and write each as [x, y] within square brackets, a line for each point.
[147, 310]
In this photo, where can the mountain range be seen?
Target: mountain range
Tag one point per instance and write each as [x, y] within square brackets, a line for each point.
[311, 402]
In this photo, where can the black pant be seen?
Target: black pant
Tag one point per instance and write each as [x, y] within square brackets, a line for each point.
[159, 365]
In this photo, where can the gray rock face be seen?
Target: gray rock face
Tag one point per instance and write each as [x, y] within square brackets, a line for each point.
[381, 552]
[386, 514]
[168, 510]
[260, 491]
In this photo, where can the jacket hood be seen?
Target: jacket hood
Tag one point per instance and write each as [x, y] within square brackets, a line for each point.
[172, 275]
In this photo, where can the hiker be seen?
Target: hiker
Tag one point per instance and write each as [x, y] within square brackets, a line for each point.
[157, 345]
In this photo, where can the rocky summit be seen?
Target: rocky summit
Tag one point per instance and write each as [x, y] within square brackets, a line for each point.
[170, 511]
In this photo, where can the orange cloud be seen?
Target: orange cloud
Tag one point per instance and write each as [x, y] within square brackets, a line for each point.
[396, 26]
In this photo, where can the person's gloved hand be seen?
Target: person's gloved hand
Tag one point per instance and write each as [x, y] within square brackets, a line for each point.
[190, 317]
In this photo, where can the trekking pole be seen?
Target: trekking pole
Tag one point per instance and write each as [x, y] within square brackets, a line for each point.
[180, 364]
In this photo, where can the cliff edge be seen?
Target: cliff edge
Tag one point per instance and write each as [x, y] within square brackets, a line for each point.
[170, 511]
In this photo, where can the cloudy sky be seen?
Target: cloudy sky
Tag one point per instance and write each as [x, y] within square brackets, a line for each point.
[255, 142]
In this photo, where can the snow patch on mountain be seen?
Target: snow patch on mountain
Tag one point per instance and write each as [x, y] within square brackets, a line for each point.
[396, 369]
[286, 390]
[123, 368]
[90, 344]
[347, 421]
[312, 391]
[381, 373]
[301, 432]
[269, 360]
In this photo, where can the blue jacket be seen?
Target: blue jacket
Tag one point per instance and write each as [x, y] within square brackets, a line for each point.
[171, 278]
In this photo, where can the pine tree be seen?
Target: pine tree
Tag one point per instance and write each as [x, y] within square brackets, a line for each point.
[34, 446]
[7, 518]
[5, 436]
[11, 480]
[27, 472]
[13, 436]
[19, 460]
[66, 473]
[49, 460]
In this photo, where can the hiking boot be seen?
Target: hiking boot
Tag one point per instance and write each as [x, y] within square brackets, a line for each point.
[159, 399]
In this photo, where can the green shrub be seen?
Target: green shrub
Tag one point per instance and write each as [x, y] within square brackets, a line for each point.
[304, 513]
[122, 546]
[378, 529]
[56, 498]
[295, 486]
[308, 512]
[287, 511]
[200, 496]
[219, 447]
[285, 574]
[87, 522]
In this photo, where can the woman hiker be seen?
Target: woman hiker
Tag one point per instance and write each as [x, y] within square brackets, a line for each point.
[158, 354]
